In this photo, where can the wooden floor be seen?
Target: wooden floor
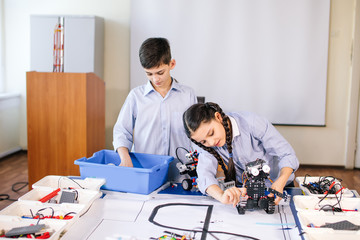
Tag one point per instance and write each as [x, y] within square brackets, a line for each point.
[13, 169]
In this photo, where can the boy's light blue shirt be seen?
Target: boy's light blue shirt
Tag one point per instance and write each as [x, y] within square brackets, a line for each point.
[253, 137]
[149, 123]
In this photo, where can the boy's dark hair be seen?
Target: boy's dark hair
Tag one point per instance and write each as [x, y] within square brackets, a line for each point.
[205, 112]
[154, 52]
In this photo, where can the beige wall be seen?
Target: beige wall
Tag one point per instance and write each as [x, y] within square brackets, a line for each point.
[314, 145]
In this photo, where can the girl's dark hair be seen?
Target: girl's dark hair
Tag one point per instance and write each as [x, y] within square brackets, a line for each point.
[154, 52]
[205, 112]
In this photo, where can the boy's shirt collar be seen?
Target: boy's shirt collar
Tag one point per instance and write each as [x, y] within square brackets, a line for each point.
[149, 87]
[175, 85]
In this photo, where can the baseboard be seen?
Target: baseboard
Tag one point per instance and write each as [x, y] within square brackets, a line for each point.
[9, 152]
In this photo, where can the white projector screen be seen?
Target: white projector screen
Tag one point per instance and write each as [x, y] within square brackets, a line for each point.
[264, 56]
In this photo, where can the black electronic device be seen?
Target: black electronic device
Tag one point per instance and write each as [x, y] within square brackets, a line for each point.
[255, 175]
[188, 168]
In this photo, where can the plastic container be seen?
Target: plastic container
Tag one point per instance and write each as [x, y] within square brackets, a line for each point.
[54, 181]
[312, 222]
[25, 208]
[84, 196]
[313, 203]
[148, 174]
[300, 180]
[55, 228]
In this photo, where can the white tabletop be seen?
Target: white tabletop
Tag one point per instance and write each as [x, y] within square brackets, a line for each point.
[126, 216]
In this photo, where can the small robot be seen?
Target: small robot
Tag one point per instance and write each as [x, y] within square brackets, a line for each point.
[189, 168]
[254, 178]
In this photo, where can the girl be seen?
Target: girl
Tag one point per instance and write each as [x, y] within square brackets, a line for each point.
[231, 141]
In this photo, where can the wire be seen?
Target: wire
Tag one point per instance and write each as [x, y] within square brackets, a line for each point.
[176, 152]
[24, 184]
[306, 175]
[325, 185]
[42, 209]
[338, 199]
[69, 214]
[5, 196]
[77, 194]
[71, 180]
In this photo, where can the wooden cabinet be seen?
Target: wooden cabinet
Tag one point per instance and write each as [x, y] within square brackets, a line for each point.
[65, 121]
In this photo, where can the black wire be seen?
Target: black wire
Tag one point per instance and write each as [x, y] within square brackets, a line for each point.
[306, 175]
[177, 153]
[77, 194]
[333, 178]
[21, 187]
[341, 194]
[5, 196]
[323, 198]
[42, 209]
[69, 214]
[338, 199]
[71, 180]
[322, 185]
[331, 208]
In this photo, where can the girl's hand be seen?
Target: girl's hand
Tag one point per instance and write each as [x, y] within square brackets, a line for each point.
[280, 183]
[232, 195]
[278, 187]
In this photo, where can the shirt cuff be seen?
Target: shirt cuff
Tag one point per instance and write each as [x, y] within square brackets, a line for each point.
[118, 144]
[205, 183]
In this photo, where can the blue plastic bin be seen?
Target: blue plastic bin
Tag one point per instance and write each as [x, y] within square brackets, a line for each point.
[148, 174]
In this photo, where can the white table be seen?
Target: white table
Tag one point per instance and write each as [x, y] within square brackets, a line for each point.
[126, 216]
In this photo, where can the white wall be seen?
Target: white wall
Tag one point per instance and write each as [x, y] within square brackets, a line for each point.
[314, 145]
[116, 55]
[2, 64]
[9, 123]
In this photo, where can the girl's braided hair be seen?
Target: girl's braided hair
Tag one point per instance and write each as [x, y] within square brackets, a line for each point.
[205, 112]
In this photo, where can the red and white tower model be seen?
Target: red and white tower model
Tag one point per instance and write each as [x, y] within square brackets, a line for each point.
[58, 65]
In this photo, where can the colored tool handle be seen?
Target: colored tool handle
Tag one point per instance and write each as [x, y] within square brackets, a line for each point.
[49, 196]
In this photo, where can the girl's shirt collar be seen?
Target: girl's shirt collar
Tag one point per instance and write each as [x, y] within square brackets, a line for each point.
[235, 127]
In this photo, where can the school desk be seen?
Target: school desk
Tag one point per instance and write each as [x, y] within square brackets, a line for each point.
[134, 216]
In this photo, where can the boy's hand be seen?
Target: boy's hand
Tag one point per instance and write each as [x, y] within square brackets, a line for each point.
[126, 162]
[125, 157]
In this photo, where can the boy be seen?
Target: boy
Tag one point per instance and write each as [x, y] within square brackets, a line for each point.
[150, 120]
